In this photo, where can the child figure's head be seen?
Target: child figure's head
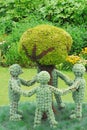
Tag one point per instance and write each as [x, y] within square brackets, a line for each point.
[15, 70]
[78, 69]
[43, 77]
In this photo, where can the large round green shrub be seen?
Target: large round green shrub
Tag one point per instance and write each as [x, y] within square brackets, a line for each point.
[45, 44]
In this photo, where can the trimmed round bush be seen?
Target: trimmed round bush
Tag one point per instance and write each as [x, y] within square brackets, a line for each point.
[45, 44]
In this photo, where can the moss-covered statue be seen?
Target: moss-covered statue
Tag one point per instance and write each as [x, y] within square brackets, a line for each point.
[47, 46]
[15, 91]
[78, 95]
[44, 98]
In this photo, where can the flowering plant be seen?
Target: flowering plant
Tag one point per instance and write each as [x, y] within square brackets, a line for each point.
[70, 61]
[84, 53]
[73, 59]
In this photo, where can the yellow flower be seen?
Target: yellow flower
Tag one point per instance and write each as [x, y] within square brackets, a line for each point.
[73, 59]
[84, 50]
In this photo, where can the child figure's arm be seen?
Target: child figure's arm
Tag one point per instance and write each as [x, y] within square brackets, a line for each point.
[29, 82]
[32, 81]
[31, 92]
[55, 90]
[15, 88]
[64, 77]
[72, 88]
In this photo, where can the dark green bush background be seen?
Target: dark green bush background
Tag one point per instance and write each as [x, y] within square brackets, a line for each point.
[16, 16]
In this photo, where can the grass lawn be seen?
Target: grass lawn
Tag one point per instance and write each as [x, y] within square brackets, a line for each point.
[27, 105]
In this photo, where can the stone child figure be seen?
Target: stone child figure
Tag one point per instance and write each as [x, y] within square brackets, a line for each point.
[15, 91]
[78, 95]
[44, 99]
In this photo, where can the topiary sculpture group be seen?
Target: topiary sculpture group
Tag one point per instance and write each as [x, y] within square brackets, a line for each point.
[44, 94]
[47, 46]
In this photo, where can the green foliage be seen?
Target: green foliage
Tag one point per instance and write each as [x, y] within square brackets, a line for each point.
[17, 9]
[12, 54]
[12, 11]
[16, 16]
[79, 36]
[64, 123]
[72, 11]
[45, 44]
[6, 25]
[66, 66]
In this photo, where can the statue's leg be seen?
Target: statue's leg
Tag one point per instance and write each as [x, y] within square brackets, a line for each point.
[51, 118]
[38, 116]
[59, 101]
[79, 110]
[13, 111]
[20, 112]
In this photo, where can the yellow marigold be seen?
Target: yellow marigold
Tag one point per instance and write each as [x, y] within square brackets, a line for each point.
[73, 59]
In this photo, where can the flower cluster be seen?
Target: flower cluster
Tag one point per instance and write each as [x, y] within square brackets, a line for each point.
[73, 59]
[84, 53]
